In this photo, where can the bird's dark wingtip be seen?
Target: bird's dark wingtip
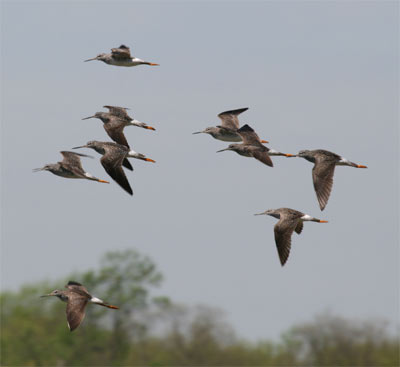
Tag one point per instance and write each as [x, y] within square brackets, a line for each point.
[72, 282]
[245, 128]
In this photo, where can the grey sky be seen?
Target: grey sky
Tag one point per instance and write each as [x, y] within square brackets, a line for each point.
[314, 75]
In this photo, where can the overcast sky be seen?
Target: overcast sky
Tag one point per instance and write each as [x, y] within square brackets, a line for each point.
[313, 74]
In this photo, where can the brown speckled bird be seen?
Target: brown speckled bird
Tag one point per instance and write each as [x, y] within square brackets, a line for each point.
[323, 170]
[252, 147]
[77, 297]
[70, 167]
[114, 123]
[121, 56]
[289, 220]
[227, 131]
[113, 155]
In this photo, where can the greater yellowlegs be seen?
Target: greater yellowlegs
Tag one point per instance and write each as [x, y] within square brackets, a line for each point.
[121, 113]
[227, 131]
[69, 167]
[121, 56]
[252, 147]
[323, 170]
[289, 220]
[113, 156]
[114, 125]
[77, 297]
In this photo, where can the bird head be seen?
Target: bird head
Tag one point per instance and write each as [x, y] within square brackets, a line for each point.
[230, 147]
[56, 293]
[270, 212]
[208, 130]
[303, 153]
[47, 167]
[100, 57]
[93, 144]
[103, 116]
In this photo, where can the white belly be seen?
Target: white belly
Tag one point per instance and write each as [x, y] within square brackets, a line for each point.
[123, 63]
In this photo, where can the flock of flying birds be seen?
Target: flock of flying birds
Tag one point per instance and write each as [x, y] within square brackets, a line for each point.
[247, 143]
[290, 220]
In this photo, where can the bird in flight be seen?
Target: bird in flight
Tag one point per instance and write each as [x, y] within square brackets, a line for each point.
[252, 147]
[121, 56]
[114, 123]
[290, 221]
[77, 297]
[323, 170]
[227, 131]
[70, 167]
[113, 155]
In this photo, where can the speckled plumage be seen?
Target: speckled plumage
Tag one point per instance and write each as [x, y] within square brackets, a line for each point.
[252, 146]
[113, 154]
[69, 167]
[323, 171]
[121, 56]
[77, 297]
[290, 221]
[227, 131]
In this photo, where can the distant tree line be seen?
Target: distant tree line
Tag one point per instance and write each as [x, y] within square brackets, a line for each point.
[153, 331]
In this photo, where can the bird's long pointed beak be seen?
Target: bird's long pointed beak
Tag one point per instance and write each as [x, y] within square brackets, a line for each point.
[153, 64]
[38, 169]
[46, 295]
[222, 150]
[83, 146]
[90, 117]
[323, 221]
[264, 141]
[288, 155]
[198, 132]
[361, 166]
[150, 128]
[149, 160]
[94, 58]
[103, 181]
[263, 213]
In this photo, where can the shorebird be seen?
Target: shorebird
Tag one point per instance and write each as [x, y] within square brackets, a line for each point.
[323, 170]
[69, 167]
[121, 56]
[121, 113]
[289, 220]
[113, 156]
[114, 124]
[252, 147]
[77, 297]
[227, 131]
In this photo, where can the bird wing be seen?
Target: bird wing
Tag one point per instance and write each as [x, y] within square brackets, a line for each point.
[112, 163]
[72, 162]
[283, 235]
[75, 286]
[262, 156]
[118, 111]
[322, 174]
[248, 135]
[75, 310]
[116, 133]
[127, 164]
[230, 118]
[299, 227]
[115, 130]
[73, 158]
[121, 53]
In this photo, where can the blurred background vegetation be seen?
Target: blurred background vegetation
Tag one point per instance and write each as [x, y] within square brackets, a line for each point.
[154, 331]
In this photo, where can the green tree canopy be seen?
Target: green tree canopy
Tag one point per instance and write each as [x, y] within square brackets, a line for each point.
[154, 331]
